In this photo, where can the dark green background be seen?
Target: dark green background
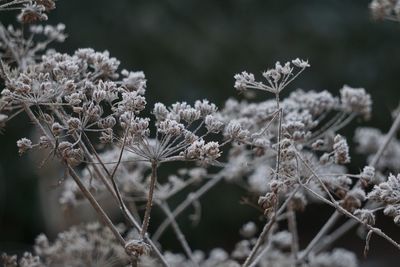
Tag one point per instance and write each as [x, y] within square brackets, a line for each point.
[190, 50]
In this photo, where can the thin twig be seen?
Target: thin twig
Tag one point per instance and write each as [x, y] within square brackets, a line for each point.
[149, 204]
[96, 206]
[339, 208]
[105, 181]
[181, 237]
[186, 203]
[267, 228]
[335, 216]
[292, 226]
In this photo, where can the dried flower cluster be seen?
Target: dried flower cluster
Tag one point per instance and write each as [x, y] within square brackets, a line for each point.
[385, 9]
[287, 152]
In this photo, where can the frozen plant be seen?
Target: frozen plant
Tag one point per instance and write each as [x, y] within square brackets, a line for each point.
[285, 152]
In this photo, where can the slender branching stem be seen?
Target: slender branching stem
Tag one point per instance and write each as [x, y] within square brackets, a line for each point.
[292, 226]
[267, 228]
[342, 210]
[131, 219]
[96, 206]
[261, 254]
[186, 203]
[180, 236]
[101, 213]
[336, 215]
[270, 223]
[149, 204]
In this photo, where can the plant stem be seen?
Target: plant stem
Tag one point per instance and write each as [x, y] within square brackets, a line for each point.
[340, 209]
[149, 204]
[267, 228]
[186, 203]
[335, 216]
[105, 181]
[96, 206]
[181, 237]
[292, 226]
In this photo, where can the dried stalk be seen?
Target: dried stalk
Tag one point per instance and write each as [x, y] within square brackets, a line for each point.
[336, 215]
[149, 204]
[186, 203]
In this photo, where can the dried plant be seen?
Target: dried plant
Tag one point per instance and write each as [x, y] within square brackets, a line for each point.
[286, 151]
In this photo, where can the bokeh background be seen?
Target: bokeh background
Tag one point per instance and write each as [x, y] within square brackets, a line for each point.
[190, 50]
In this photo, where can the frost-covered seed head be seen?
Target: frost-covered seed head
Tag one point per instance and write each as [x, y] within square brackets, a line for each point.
[160, 111]
[213, 125]
[356, 100]
[366, 216]
[368, 174]
[341, 150]
[242, 80]
[24, 144]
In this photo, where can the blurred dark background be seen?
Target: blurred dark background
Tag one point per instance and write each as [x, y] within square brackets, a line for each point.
[190, 50]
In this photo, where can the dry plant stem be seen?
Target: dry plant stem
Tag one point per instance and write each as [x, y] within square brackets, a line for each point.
[267, 228]
[149, 204]
[104, 180]
[260, 255]
[261, 238]
[113, 188]
[292, 226]
[96, 205]
[340, 209]
[86, 192]
[186, 203]
[88, 155]
[15, 2]
[124, 209]
[334, 236]
[181, 237]
[335, 216]
[348, 214]
[393, 129]
[278, 156]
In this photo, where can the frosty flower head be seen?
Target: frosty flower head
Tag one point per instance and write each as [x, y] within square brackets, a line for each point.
[356, 100]
[353, 199]
[341, 150]
[385, 9]
[74, 124]
[137, 248]
[24, 145]
[366, 216]
[388, 194]
[235, 131]
[48, 4]
[32, 12]
[368, 174]
[213, 124]
[277, 78]
[243, 80]
[200, 150]
[170, 127]
[160, 111]
[134, 81]
[205, 107]
[69, 154]
[300, 63]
